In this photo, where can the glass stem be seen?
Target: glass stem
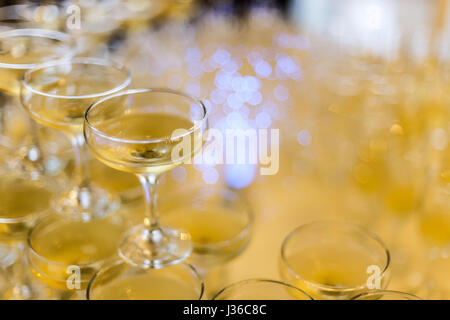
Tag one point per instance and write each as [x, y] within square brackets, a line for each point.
[34, 153]
[81, 161]
[149, 183]
[21, 286]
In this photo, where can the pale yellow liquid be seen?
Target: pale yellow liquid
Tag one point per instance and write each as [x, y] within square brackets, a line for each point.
[25, 51]
[112, 180]
[146, 287]
[21, 200]
[209, 227]
[329, 271]
[76, 81]
[155, 157]
[68, 242]
[9, 80]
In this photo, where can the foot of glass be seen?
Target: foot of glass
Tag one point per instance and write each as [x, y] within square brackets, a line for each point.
[86, 203]
[156, 248]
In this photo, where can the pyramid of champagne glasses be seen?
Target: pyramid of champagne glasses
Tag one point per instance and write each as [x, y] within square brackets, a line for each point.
[119, 180]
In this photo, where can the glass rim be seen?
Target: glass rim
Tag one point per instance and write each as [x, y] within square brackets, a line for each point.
[409, 296]
[47, 260]
[260, 280]
[364, 231]
[34, 32]
[83, 61]
[196, 125]
[241, 234]
[120, 261]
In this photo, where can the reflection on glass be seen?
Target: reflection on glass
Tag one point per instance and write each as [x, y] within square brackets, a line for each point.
[385, 295]
[334, 260]
[57, 95]
[122, 281]
[219, 221]
[65, 254]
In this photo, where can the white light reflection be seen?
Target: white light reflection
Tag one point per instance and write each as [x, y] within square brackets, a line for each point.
[263, 69]
[239, 175]
[304, 138]
[179, 174]
[263, 120]
[281, 93]
[210, 175]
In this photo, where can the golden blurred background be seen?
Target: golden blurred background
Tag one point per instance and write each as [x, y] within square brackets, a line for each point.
[360, 93]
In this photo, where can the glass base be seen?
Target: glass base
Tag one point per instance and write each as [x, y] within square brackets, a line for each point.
[18, 283]
[27, 162]
[86, 203]
[155, 248]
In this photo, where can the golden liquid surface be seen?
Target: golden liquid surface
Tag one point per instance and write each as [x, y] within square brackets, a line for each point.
[25, 51]
[75, 82]
[9, 81]
[338, 268]
[208, 225]
[130, 156]
[19, 198]
[218, 233]
[146, 287]
[66, 242]
[114, 181]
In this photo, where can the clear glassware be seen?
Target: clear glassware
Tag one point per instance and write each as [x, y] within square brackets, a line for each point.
[23, 201]
[125, 184]
[64, 254]
[219, 221]
[141, 131]
[136, 14]
[123, 281]
[334, 260]
[261, 289]
[56, 95]
[385, 295]
[23, 49]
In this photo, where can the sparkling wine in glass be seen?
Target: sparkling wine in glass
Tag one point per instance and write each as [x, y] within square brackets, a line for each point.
[141, 131]
[56, 95]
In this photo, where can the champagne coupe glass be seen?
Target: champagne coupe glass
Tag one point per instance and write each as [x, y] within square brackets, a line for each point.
[385, 295]
[261, 289]
[64, 253]
[148, 132]
[23, 49]
[123, 281]
[56, 95]
[219, 221]
[334, 260]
